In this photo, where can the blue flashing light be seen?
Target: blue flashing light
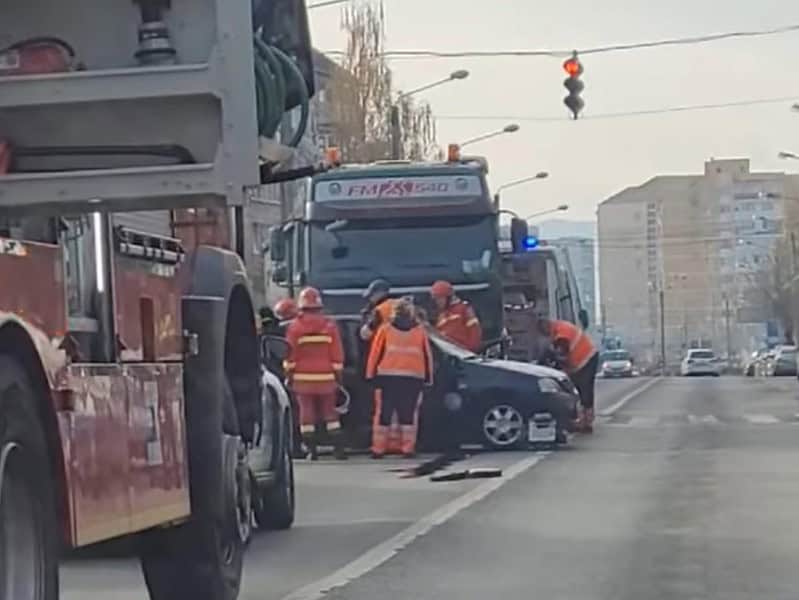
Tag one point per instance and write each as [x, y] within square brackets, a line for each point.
[530, 242]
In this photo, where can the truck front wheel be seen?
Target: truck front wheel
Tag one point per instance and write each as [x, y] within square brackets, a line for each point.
[202, 559]
[28, 523]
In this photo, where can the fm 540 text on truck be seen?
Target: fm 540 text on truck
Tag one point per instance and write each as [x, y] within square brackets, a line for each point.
[130, 383]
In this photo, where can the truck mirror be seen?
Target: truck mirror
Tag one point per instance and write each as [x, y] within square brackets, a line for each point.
[277, 244]
[280, 274]
[518, 234]
[583, 316]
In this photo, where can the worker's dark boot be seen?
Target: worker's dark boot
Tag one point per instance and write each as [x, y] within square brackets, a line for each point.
[313, 451]
[588, 420]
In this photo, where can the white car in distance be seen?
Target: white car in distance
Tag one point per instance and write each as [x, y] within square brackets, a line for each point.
[700, 361]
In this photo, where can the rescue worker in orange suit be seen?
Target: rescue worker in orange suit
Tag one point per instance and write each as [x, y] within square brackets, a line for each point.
[378, 310]
[580, 359]
[456, 320]
[313, 367]
[286, 310]
[400, 362]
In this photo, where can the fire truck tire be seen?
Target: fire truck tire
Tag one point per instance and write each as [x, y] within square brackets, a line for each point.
[276, 504]
[28, 519]
[203, 558]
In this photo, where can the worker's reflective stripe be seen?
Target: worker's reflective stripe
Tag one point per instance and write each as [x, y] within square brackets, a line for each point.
[314, 377]
[400, 372]
[288, 364]
[413, 350]
[315, 339]
[333, 425]
[472, 322]
[338, 366]
[307, 428]
[446, 319]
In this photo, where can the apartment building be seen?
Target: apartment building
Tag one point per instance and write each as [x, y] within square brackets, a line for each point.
[707, 241]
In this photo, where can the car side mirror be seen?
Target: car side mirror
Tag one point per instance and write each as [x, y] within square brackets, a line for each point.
[280, 274]
[583, 317]
[275, 347]
[277, 244]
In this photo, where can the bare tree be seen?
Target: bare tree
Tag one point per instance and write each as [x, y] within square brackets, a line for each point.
[771, 285]
[362, 95]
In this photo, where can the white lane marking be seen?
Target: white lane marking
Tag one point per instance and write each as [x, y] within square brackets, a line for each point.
[644, 421]
[382, 552]
[613, 408]
[761, 419]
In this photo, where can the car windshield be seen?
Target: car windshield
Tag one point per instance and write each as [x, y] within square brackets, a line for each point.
[616, 355]
[404, 251]
[449, 347]
[704, 354]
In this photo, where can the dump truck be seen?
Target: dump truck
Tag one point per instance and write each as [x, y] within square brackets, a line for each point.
[132, 135]
[410, 223]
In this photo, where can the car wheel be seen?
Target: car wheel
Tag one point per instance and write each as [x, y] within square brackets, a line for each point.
[503, 426]
[275, 505]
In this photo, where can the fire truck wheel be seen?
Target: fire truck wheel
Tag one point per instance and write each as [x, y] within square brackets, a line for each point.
[28, 523]
[276, 503]
[203, 558]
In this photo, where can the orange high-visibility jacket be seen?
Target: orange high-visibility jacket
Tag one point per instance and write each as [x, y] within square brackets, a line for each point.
[581, 348]
[459, 324]
[400, 353]
[384, 312]
[315, 356]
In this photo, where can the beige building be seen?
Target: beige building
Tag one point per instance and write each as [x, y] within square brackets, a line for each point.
[708, 242]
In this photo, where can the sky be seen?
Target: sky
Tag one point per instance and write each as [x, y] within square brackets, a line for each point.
[590, 160]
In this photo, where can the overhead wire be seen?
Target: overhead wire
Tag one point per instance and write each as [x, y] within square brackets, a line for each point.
[554, 53]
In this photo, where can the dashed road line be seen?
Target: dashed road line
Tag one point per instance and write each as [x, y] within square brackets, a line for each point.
[618, 405]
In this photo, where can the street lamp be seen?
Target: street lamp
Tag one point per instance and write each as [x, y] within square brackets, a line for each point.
[788, 155]
[504, 186]
[561, 208]
[396, 132]
[510, 128]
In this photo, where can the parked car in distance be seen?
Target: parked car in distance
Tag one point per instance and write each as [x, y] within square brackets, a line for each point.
[783, 362]
[700, 361]
[616, 363]
[753, 362]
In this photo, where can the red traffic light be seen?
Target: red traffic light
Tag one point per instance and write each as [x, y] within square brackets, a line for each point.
[573, 67]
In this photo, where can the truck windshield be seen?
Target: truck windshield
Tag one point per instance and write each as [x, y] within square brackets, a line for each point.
[406, 251]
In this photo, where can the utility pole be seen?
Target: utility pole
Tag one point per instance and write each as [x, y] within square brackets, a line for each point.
[396, 133]
[662, 298]
[727, 326]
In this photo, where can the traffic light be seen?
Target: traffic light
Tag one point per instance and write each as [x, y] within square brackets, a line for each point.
[572, 83]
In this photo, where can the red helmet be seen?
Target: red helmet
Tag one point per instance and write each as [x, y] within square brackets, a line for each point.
[442, 289]
[310, 298]
[286, 309]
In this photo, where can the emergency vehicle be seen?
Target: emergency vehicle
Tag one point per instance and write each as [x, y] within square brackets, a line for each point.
[130, 386]
[537, 280]
[410, 223]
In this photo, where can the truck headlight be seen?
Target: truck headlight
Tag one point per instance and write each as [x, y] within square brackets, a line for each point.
[453, 401]
[547, 385]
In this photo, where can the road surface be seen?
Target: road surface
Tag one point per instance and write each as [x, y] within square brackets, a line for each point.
[688, 489]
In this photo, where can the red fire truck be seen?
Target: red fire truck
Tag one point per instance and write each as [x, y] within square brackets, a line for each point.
[130, 379]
